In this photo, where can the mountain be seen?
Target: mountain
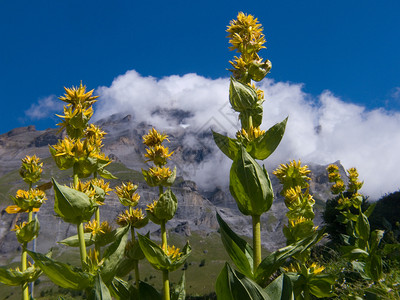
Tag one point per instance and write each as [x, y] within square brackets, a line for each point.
[197, 160]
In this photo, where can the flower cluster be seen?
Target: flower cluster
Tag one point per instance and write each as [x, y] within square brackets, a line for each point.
[246, 37]
[127, 194]
[298, 200]
[132, 217]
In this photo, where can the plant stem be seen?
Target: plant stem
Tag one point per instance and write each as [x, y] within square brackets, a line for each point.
[25, 287]
[163, 235]
[97, 216]
[136, 262]
[256, 242]
[166, 284]
[82, 245]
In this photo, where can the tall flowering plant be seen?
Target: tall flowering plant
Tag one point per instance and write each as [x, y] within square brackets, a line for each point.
[249, 183]
[165, 258]
[26, 202]
[80, 151]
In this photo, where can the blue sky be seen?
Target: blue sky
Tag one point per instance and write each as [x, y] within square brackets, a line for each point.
[350, 48]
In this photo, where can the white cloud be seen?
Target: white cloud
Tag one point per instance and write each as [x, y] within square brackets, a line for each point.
[44, 108]
[320, 129]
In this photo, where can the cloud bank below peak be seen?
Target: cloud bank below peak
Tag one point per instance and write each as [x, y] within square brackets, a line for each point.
[320, 129]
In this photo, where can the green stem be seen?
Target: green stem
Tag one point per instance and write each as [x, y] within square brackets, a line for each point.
[82, 245]
[166, 284]
[163, 235]
[97, 216]
[256, 242]
[135, 262]
[24, 262]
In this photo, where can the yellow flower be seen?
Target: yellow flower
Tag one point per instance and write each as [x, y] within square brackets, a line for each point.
[160, 174]
[332, 168]
[172, 252]
[292, 195]
[150, 207]
[127, 194]
[133, 217]
[245, 34]
[315, 268]
[252, 134]
[77, 96]
[297, 221]
[105, 186]
[158, 154]
[338, 187]
[31, 169]
[93, 227]
[19, 226]
[27, 201]
[293, 174]
[153, 138]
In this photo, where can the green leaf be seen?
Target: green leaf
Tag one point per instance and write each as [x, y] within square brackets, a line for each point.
[28, 232]
[353, 252]
[238, 249]
[242, 96]
[250, 185]
[258, 70]
[373, 268]
[147, 292]
[106, 174]
[100, 290]
[230, 147]
[362, 227]
[62, 274]
[376, 237]
[166, 206]
[113, 256]
[275, 260]
[15, 277]
[321, 285]
[281, 288]
[73, 241]
[121, 289]
[157, 257]
[232, 285]
[71, 205]
[179, 292]
[263, 146]
[370, 209]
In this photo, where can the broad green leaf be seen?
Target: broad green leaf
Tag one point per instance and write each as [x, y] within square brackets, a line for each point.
[275, 260]
[28, 232]
[121, 289]
[250, 185]
[16, 277]
[113, 256]
[376, 237]
[370, 209]
[352, 252]
[62, 274]
[100, 290]
[362, 227]
[106, 174]
[242, 96]
[321, 285]
[373, 268]
[263, 146]
[258, 70]
[238, 249]
[166, 206]
[73, 241]
[281, 288]
[230, 147]
[232, 285]
[157, 257]
[147, 292]
[179, 292]
[71, 205]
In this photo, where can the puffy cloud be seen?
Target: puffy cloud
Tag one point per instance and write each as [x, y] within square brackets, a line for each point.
[320, 129]
[44, 108]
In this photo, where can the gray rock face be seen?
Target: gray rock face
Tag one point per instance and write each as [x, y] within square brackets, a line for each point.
[196, 207]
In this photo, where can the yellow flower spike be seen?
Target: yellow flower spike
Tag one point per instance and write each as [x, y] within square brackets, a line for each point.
[292, 195]
[172, 252]
[93, 227]
[315, 268]
[27, 201]
[245, 34]
[78, 96]
[338, 187]
[19, 226]
[153, 138]
[160, 174]
[105, 186]
[293, 174]
[31, 169]
[127, 194]
[158, 154]
[135, 218]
